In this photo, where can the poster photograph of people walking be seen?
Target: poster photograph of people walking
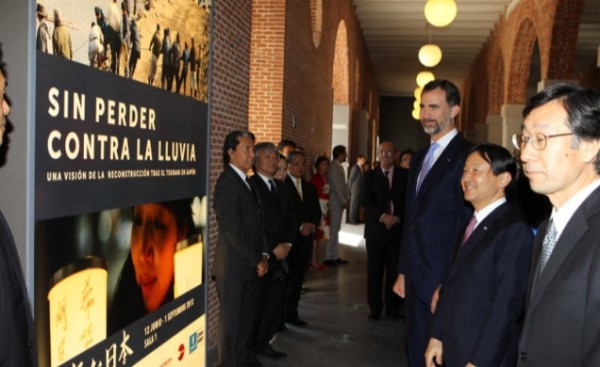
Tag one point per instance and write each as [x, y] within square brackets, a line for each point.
[121, 137]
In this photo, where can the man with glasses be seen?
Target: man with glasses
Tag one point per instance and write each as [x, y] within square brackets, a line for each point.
[383, 193]
[559, 143]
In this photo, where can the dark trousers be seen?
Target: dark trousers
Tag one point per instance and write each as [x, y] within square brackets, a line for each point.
[237, 314]
[418, 325]
[298, 259]
[382, 262]
[270, 306]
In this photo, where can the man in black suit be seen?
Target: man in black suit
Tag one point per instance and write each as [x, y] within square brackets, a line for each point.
[241, 256]
[435, 212]
[17, 334]
[383, 194]
[482, 297]
[307, 215]
[274, 202]
[560, 146]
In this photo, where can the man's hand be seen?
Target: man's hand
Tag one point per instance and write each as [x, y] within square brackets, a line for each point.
[281, 251]
[435, 298]
[306, 229]
[390, 220]
[433, 354]
[262, 267]
[399, 286]
[470, 365]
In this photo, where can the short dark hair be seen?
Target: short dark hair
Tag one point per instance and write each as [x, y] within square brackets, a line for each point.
[320, 159]
[232, 140]
[406, 151]
[285, 143]
[265, 145]
[293, 155]
[452, 92]
[360, 156]
[338, 150]
[582, 106]
[499, 158]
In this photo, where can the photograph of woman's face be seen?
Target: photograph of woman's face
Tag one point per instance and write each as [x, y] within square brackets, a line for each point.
[154, 236]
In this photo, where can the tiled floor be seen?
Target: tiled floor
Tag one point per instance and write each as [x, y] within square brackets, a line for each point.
[339, 333]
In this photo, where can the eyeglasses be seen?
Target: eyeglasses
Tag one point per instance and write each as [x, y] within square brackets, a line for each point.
[537, 140]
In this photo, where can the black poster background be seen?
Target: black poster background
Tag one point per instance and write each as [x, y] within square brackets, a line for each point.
[179, 122]
[73, 194]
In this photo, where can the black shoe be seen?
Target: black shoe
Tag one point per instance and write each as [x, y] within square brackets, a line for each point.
[254, 362]
[341, 261]
[374, 316]
[281, 328]
[330, 262]
[271, 353]
[296, 321]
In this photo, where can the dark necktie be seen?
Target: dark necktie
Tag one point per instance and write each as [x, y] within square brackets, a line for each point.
[548, 245]
[390, 205]
[253, 192]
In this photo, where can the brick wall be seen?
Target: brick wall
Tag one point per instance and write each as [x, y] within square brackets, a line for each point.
[267, 70]
[507, 54]
[228, 105]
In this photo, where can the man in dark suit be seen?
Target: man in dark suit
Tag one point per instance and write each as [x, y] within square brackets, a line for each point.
[274, 202]
[383, 194]
[354, 185]
[482, 297]
[435, 212]
[560, 146]
[306, 217]
[241, 255]
[17, 334]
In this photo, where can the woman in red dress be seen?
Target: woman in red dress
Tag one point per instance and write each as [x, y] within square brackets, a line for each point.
[323, 189]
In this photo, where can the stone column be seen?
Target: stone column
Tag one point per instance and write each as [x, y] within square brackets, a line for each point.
[512, 119]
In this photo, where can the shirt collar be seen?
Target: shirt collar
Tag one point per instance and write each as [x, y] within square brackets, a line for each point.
[264, 178]
[445, 140]
[239, 172]
[562, 216]
[483, 213]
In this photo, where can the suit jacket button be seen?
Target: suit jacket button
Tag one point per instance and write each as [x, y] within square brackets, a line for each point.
[523, 356]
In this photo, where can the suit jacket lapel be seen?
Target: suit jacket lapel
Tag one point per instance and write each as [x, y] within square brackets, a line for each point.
[439, 167]
[569, 238]
[488, 224]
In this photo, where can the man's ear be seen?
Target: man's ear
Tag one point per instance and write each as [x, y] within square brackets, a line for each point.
[504, 179]
[454, 110]
[590, 150]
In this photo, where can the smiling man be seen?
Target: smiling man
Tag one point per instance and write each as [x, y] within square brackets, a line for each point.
[560, 144]
[482, 296]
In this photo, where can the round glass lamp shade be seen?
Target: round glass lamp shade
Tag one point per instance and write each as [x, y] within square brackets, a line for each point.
[416, 114]
[417, 93]
[430, 55]
[424, 77]
[416, 104]
[440, 13]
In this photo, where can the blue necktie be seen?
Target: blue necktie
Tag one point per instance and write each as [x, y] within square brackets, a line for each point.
[427, 164]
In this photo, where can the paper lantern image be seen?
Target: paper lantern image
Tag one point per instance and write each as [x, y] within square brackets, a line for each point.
[189, 264]
[78, 303]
